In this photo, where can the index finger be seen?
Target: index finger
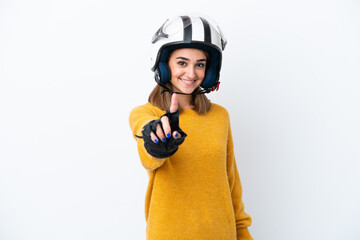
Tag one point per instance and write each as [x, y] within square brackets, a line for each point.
[174, 103]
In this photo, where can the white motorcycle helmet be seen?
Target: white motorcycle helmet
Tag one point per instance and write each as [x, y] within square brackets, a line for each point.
[188, 32]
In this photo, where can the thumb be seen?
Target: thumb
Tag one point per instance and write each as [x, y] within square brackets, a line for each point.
[174, 103]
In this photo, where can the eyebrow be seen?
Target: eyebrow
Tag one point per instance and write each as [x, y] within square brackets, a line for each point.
[184, 58]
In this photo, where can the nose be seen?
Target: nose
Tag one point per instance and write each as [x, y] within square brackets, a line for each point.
[191, 73]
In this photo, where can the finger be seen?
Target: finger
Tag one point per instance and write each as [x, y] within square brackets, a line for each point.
[160, 133]
[176, 135]
[153, 137]
[166, 126]
[174, 103]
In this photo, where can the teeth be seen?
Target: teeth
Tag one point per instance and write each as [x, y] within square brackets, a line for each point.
[187, 81]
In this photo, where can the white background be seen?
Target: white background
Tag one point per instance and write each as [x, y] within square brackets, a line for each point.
[71, 71]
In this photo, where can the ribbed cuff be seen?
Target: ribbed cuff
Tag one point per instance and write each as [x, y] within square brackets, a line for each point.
[244, 234]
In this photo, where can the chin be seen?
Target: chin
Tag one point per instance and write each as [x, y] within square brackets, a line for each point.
[187, 91]
[180, 87]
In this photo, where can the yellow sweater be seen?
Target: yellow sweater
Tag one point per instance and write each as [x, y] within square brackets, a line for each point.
[195, 194]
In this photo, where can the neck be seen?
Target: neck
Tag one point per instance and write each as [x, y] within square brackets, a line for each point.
[185, 101]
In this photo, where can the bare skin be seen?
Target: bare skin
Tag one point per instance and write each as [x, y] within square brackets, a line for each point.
[187, 67]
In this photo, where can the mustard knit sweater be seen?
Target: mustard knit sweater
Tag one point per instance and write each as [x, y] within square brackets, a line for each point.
[195, 194]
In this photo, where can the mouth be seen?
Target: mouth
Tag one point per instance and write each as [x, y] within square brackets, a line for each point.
[187, 82]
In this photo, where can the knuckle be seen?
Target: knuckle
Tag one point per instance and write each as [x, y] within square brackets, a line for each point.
[165, 123]
[165, 120]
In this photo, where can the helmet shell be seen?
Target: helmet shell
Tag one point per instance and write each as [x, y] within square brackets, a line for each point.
[188, 32]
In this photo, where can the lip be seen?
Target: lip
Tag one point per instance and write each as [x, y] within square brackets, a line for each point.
[187, 82]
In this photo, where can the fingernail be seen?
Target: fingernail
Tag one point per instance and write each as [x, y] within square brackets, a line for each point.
[156, 141]
[176, 134]
[164, 139]
[168, 135]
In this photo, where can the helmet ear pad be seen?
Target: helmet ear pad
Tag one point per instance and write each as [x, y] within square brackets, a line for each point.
[212, 68]
[164, 72]
[212, 71]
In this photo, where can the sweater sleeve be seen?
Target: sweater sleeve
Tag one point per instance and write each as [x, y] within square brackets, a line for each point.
[138, 118]
[243, 220]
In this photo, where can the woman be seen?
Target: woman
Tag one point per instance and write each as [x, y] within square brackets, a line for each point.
[185, 142]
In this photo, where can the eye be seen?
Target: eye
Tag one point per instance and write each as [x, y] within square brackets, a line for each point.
[182, 63]
[200, 65]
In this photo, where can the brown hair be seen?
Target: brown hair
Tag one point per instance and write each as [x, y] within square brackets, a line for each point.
[162, 100]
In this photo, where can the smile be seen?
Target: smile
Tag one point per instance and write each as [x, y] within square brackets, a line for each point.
[187, 82]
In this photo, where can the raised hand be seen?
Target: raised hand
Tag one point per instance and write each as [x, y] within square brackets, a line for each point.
[165, 132]
[163, 136]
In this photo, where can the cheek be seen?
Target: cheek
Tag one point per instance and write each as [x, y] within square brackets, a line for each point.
[175, 72]
[201, 74]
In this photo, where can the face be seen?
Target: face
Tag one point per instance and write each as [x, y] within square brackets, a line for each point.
[187, 67]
